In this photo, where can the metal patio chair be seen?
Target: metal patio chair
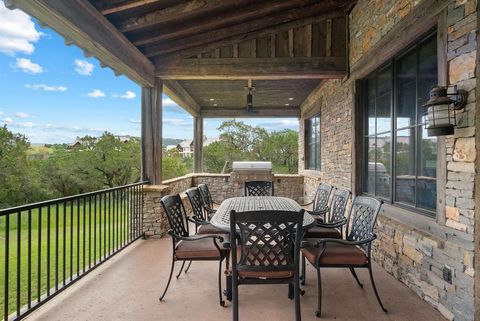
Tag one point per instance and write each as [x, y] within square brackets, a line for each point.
[259, 188]
[333, 228]
[266, 251]
[320, 204]
[209, 204]
[352, 252]
[199, 214]
[188, 247]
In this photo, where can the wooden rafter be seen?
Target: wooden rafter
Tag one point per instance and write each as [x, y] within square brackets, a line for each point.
[241, 30]
[128, 6]
[222, 112]
[78, 21]
[180, 96]
[179, 12]
[253, 11]
[253, 68]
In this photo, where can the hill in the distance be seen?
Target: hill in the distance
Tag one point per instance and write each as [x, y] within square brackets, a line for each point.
[171, 141]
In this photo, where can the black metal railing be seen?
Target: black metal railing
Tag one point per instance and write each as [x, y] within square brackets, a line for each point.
[47, 246]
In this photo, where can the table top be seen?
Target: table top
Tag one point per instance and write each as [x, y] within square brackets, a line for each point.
[221, 219]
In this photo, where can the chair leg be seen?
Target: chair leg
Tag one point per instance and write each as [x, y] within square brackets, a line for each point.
[188, 266]
[235, 298]
[169, 279]
[290, 291]
[296, 294]
[352, 270]
[375, 288]
[181, 269]
[304, 271]
[222, 302]
[318, 313]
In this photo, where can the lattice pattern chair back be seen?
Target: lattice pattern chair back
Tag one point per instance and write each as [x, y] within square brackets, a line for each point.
[267, 240]
[196, 201]
[322, 197]
[176, 215]
[339, 204]
[362, 219]
[207, 197]
[259, 188]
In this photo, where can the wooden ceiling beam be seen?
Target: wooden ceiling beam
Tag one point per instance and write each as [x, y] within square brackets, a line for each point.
[179, 95]
[122, 7]
[254, 68]
[253, 11]
[179, 12]
[227, 112]
[80, 22]
[242, 30]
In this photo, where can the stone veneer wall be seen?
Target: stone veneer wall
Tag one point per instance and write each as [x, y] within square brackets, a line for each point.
[221, 186]
[416, 257]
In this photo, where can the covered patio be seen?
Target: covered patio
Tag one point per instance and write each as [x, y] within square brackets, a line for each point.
[356, 74]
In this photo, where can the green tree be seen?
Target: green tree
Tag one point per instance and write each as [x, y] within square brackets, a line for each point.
[173, 165]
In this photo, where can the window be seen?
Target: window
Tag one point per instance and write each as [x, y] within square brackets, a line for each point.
[401, 164]
[312, 143]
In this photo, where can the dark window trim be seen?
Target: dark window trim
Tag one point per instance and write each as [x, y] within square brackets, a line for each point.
[393, 131]
[307, 143]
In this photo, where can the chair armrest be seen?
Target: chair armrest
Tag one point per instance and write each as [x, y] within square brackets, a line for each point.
[227, 245]
[333, 224]
[209, 210]
[306, 204]
[345, 242]
[196, 237]
[304, 244]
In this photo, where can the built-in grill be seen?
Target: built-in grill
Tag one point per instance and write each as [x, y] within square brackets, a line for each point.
[250, 171]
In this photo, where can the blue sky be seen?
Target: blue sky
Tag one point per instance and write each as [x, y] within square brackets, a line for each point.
[51, 93]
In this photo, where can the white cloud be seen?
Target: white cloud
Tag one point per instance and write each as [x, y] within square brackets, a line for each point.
[127, 95]
[1, 113]
[168, 102]
[96, 93]
[17, 32]
[177, 122]
[7, 120]
[22, 115]
[27, 124]
[27, 66]
[47, 87]
[83, 67]
[134, 121]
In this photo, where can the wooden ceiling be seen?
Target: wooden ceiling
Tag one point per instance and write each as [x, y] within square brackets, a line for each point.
[210, 48]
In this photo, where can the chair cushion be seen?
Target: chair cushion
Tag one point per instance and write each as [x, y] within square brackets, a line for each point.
[210, 229]
[266, 274]
[336, 254]
[199, 249]
[323, 232]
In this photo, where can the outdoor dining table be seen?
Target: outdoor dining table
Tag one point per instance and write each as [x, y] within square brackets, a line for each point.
[221, 219]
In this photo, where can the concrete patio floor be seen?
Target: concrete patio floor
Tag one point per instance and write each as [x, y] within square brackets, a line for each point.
[128, 286]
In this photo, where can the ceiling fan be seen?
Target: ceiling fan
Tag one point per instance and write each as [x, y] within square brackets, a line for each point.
[250, 89]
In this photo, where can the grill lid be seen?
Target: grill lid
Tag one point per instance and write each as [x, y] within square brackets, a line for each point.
[252, 166]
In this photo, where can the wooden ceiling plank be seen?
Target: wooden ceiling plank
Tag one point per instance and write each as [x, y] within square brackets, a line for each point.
[179, 12]
[255, 10]
[179, 95]
[80, 21]
[221, 36]
[254, 68]
[222, 112]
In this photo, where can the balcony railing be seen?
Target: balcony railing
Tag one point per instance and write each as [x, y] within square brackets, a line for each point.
[47, 246]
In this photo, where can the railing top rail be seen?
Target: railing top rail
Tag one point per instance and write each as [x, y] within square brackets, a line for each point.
[27, 207]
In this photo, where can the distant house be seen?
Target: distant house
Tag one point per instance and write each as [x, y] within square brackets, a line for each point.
[186, 149]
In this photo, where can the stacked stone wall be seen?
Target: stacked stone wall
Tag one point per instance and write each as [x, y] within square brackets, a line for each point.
[417, 257]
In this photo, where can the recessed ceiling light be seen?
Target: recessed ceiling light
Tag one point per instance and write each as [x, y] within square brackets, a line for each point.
[291, 98]
[211, 99]
[287, 104]
[215, 105]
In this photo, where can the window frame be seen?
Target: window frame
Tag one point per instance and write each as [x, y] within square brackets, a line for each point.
[393, 64]
[308, 144]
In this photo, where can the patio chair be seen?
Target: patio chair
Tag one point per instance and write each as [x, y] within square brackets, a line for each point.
[333, 228]
[188, 247]
[266, 251]
[209, 204]
[352, 252]
[259, 188]
[320, 203]
[199, 214]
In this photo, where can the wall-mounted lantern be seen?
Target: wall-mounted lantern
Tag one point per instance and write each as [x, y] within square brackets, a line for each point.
[441, 110]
